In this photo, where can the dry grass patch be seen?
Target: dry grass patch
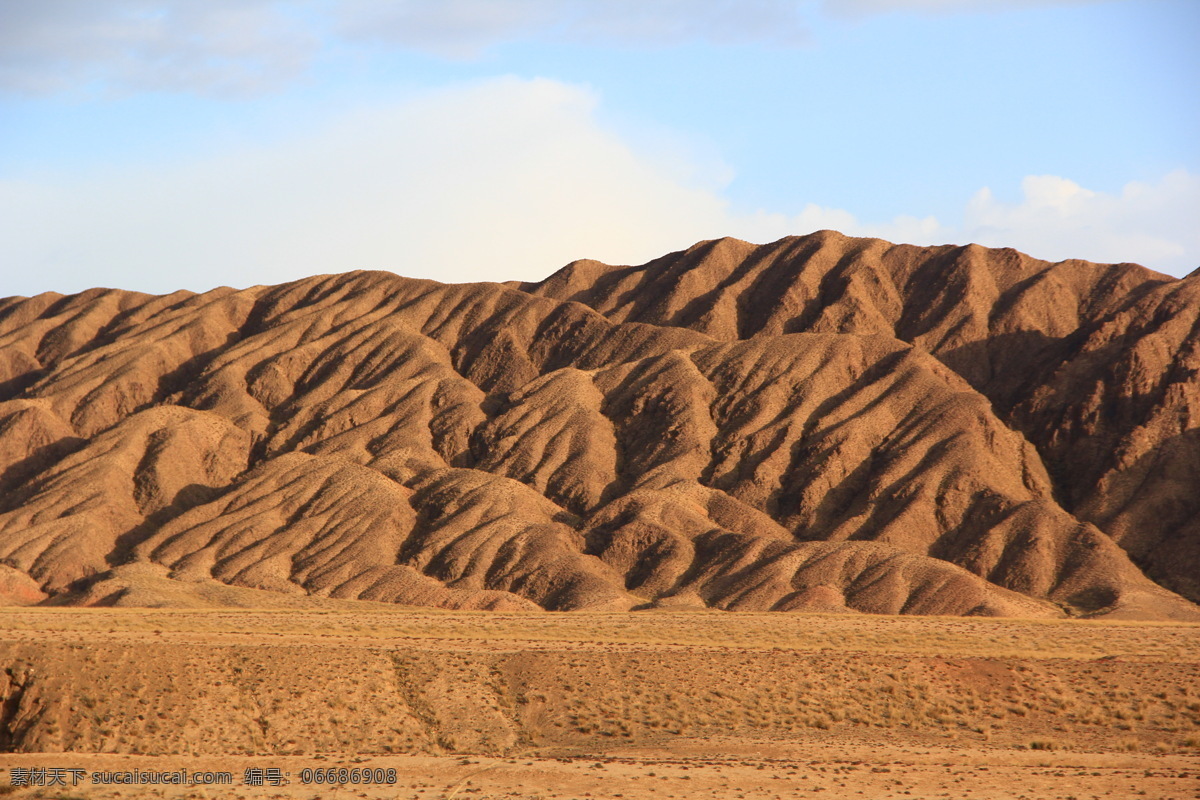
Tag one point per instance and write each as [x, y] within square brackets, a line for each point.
[812, 633]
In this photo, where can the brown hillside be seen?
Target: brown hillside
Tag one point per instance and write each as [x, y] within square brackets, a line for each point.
[1096, 365]
[819, 424]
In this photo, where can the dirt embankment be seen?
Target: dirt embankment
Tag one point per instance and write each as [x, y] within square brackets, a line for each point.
[331, 683]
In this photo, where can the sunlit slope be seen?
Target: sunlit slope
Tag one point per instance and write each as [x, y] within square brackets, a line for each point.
[820, 424]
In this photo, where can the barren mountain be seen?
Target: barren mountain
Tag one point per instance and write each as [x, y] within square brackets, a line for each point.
[822, 423]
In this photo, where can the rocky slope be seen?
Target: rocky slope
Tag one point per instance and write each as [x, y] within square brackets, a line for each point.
[822, 423]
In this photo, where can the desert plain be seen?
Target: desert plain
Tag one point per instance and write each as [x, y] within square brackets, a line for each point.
[604, 705]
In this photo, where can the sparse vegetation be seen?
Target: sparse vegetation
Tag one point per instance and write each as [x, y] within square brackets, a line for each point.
[397, 680]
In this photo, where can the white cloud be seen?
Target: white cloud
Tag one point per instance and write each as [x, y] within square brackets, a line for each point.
[226, 46]
[497, 180]
[1155, 224]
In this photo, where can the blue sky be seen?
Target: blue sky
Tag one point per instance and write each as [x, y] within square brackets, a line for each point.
[157, 145]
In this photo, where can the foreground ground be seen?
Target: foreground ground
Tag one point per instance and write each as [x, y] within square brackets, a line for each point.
[685, 704]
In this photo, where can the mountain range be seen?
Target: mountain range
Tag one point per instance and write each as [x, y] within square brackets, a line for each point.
[822, 423]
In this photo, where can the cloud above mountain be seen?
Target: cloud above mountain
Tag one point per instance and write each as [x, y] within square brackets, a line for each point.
[491, 180]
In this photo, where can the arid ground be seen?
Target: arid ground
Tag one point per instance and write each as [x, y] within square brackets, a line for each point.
[603, 705]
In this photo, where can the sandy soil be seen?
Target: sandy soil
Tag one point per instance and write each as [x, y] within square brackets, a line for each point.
[823, 771]
[658, 705]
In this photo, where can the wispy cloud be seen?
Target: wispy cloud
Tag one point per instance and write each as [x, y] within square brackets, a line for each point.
[241, 46]
[465, 27]
[245, 46]
[215, 46]
[862, 8]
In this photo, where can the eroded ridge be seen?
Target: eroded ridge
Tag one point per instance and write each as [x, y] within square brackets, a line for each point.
[822, 423]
